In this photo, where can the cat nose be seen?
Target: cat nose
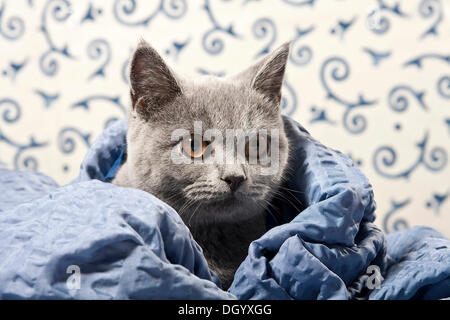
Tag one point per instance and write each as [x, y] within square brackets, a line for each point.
[234, 181]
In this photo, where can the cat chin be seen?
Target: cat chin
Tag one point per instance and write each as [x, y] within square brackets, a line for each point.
[233, 207]
[231, 215]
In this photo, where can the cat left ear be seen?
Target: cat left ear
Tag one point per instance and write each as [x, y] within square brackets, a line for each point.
[266, 76]
[152, 82]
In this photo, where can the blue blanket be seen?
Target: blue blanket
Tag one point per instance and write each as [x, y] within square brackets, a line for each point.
[93, 240]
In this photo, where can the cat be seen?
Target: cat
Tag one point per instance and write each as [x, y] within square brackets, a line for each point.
[223, 205]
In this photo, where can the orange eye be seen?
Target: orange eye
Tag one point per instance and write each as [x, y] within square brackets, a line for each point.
[194, 147]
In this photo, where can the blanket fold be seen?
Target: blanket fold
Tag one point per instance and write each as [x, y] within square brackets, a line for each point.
[124, 243]
[333, 239]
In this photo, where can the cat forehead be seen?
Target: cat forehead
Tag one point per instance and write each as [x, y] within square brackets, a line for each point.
[226, 104]
[211, 88]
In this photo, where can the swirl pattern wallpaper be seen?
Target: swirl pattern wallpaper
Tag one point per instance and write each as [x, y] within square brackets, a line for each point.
[370, 78]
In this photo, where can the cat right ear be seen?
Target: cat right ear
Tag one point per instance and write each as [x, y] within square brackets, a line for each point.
[266, 76]
[153, 84]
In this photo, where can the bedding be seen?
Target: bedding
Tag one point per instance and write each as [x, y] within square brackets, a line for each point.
[90, 239]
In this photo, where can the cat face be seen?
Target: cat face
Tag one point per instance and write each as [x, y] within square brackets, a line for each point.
[212, 145]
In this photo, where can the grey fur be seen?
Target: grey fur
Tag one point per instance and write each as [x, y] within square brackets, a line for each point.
[222, 222]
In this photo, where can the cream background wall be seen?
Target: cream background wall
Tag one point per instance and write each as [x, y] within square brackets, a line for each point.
[370, 78]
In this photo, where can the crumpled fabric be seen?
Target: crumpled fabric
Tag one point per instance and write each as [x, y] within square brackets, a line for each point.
[329, 244]
[419, 266]
[128, 244]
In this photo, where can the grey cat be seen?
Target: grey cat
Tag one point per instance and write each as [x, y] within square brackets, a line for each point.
[223, 205]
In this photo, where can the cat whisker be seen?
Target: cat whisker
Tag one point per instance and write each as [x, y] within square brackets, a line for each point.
[294, 197]
[185, 206]
[259, 187]
[198, 185]
[206, 194]
[267, 207]
[287, 189]
[207, 191]
[171, 196]
[281, 196]
[193, 213]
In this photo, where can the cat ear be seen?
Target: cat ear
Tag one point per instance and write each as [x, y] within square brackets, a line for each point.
[266, 76]
[152, 82]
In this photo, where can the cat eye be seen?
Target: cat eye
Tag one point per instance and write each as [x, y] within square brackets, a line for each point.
[194, 147]
[256, 147]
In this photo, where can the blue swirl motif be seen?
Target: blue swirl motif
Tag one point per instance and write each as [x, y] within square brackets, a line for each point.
[265, 28]
[96, 50]
[85, 103]
[204, 72]
[429, 9]
[124, 69]
[437, 201]
[215, 45]
[177, 47]
[418, 61]
[61, 11]
[91, 14]
[399, 223]
[47, 98]
[300, 2]
[301, 55]
[110, 121]
[357, 123]
[66, 141]
[320, 115]
[357, 161]
[380, 24]
[443, 87]
[288, 99]
[12, 114]
[15, 27]
[173, 9]
[387, 157]
[377, 56]
[399, 102]
[115, 100]
[14, 68]
[342, 27]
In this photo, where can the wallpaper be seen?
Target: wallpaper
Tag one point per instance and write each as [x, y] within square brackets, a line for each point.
[370, 78]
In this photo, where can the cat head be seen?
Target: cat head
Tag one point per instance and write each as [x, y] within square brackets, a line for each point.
[169, 153]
